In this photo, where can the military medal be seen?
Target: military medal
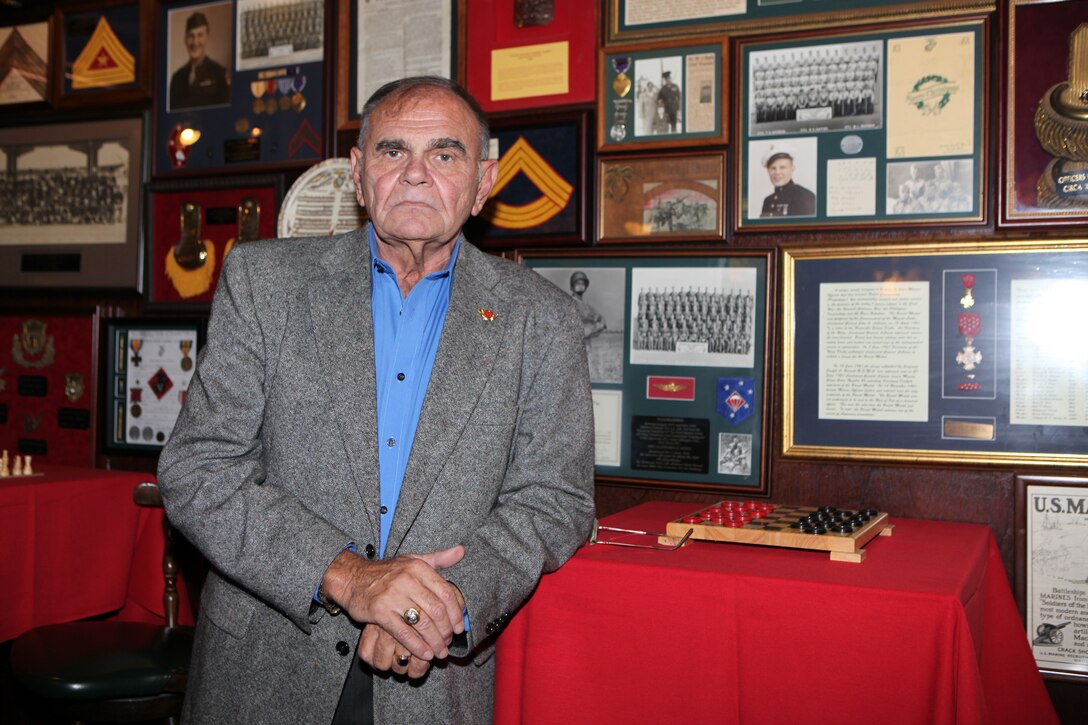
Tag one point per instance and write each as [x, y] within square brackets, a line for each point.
[970, 325]
[136, 343]
[135, 396]
[621, 86]
[298, 101]
[257, 88]
[270, 104]
[186, 361]
[967, 300]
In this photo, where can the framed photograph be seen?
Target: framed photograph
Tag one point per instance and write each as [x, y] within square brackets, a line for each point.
[863, 128]
[149, 365]
[380, 41]
[192, 226]
[943, 352]
[104, 53]
[678, 345]
[542, 195]
[530, 54]
[1051, 557]
[70, 198]
[236, 93]
[1045, 137]
[25, 66]
[662, 95]
[662, 197]
[635, 20]
[49, 385]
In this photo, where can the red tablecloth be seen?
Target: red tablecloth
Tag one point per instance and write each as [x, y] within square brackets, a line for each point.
[75, 545]
[925, 630]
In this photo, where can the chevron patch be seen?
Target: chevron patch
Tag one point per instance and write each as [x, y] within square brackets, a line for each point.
[555, 190]
[104, 61]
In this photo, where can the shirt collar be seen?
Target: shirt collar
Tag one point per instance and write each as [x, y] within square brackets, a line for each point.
[381, 264]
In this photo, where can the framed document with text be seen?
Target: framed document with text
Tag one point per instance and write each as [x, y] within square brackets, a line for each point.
[863, 128]
[943, 352]
[678, 345]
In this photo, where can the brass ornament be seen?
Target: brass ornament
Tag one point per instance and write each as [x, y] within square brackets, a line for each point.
[34, 342]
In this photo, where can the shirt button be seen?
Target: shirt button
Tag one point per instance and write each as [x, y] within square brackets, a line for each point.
[342, 648]
[369, 551]
[384, 510]
[400, 376]
[391, 442]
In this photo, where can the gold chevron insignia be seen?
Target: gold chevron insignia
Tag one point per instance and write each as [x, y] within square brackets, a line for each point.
[554, 189]
[670, 387]
[104, 61]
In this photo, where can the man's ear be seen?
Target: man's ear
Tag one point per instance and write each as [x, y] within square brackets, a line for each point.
[489, 172]
[357, 174]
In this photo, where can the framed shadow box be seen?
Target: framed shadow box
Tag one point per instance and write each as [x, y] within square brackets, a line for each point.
[103, 53]
[871, 127]
[944, 352]
[1051, 557]
[678, 345]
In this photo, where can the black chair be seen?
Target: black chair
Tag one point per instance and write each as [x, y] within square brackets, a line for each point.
[110, 671]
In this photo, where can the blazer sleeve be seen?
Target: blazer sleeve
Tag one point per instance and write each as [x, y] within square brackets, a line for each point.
[212, 473]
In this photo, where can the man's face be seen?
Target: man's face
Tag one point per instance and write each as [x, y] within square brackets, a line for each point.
[418, 173]
[196, 42]
[578, 287]
[780, 170]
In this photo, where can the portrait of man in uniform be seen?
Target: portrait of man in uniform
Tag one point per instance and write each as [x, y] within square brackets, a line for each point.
[196, 34]
[782, 178]
[788, 198]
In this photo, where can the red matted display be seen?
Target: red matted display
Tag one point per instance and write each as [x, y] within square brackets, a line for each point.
[491, 25]
[167, 282]
[925, 630]
[48, 387]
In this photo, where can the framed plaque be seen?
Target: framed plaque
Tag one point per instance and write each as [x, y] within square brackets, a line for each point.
[382, 40]
[149, 365]
[25, 65]
[104, 53]
[945, 353]
[662, 197]
[234, 92]
[633, 20]
[72, 195]
[677, 344]
[542, 195]
[530, 53]
[662, 95]
[1045, 138]
[863, 128]
[1051, 530]
[192, 226]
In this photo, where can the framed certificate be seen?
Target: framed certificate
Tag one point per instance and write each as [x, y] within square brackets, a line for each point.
[944, 352]
[677, 343]
[863, 128]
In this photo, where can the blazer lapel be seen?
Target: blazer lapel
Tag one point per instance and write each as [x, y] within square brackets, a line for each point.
[475, 325]
[340, 310]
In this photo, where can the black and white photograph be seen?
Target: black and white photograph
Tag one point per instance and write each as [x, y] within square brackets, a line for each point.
[830, 87]
[659, 96]
[279, 32]
[693, 316]
[930, 187]
[199, 39]
[782, 175]
[599, 293]
[735, 454]
[680, 208]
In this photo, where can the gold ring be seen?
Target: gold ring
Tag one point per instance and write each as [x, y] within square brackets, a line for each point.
[411, 616]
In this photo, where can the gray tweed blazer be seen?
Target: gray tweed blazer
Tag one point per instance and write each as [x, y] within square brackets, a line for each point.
[272, 470]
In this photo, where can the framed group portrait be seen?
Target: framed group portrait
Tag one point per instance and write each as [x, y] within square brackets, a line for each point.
[941, 352]
[677, 345]
[240, 85]
[867, 127]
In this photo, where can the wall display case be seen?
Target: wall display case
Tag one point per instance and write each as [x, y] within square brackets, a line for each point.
[26, 66]
[103, 52]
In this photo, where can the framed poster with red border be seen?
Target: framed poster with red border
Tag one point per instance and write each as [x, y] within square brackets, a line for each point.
[192, 226]
[522, 54]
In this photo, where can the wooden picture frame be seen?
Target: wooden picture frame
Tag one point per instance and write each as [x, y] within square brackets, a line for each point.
[27, 65]
[249, 107]
[543, 195]
[192, 224]
[430, 47]
[934, 353]
[678, 345]
[103, 53]
[663, 95]
[869, 127]
[641, 20]
[77, 213]
[666, 197]
[522, 55]
[1043, 157]
[1050, 555]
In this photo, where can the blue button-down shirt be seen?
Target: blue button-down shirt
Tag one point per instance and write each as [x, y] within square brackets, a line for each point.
[407, 331]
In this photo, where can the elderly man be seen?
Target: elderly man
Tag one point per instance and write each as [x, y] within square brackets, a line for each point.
[788, 198]
[388, 431]
[201, 81]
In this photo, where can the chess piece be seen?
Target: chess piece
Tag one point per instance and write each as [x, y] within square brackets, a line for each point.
[17, 467]
[4, 472]
[28, 469]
